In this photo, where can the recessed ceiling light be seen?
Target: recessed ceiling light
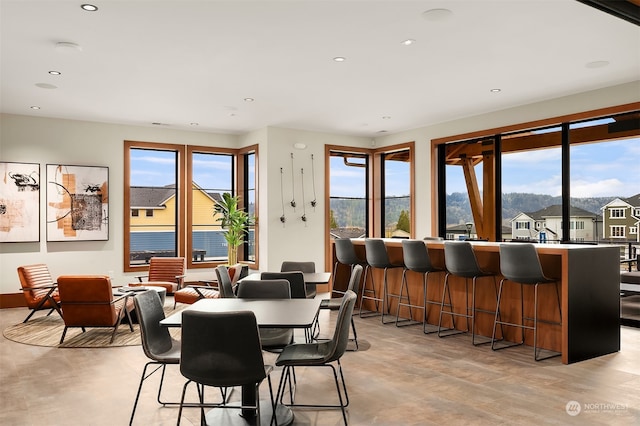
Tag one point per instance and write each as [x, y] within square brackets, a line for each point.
[437, 14]
[339, 59]
[386, 117]
[89, 7]
[597, 64]
[55, 72]
[194, 124]
[408, 42]
[34, 107]
[495, 90]
[249, 99]
[46, 86]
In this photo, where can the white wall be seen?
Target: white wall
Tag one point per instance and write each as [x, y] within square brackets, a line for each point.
[55, 141]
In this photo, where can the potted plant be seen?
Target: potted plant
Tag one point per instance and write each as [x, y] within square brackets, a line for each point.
[235, 223]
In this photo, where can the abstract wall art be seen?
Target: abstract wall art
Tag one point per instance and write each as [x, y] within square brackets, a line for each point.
[19, 202]
[77, 203]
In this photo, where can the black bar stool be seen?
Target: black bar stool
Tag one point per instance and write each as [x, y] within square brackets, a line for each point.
[377, 257]
[345, 255]
[416, 259]
[460, 261]
[520, 263]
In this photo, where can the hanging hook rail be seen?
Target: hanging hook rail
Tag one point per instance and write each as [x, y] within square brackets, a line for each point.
[282, 218]
[304, 207]
[313, 181]
[293, 186]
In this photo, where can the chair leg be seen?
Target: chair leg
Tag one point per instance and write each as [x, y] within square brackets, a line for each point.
[64, 333]
[447, 292]
[405, 321]
[365, 290]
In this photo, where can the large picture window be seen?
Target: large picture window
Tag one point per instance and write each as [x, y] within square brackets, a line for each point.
[179, 218]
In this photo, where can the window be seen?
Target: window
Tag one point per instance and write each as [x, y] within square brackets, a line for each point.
[617, 231]
[637, 212]
[633, 230]
[617, 213]
[396, 189]
[348, 193]
[579, 224]
[542, 168]
[212, 174]
[179, 218]
[523, 225]
[152, 175]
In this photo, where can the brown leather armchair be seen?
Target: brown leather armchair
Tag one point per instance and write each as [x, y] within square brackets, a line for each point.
[87, 301]
[40, 292]
[167, 272]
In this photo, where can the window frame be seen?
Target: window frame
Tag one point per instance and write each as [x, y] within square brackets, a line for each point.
[438, 150]
[184, 219]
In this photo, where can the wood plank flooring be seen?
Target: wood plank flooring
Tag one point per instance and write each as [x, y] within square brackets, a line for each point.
[401, 377]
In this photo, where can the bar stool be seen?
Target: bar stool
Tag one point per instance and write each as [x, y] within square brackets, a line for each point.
[416, 259]
[377, 257]
[520, 263]
[460, 260]
[345, 255]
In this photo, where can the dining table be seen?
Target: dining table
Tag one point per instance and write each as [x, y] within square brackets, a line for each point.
[270, 313]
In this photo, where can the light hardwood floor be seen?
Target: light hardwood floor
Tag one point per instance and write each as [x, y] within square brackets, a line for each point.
[403, 377]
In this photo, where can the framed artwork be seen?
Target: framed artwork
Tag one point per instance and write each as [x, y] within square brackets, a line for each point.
[19, 202]
[77, 203]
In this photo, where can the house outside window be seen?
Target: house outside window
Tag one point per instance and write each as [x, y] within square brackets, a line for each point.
[617, 213]
[617, 231]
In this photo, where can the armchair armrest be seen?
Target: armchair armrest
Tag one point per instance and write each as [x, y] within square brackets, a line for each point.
[52, 287]
[140, 277]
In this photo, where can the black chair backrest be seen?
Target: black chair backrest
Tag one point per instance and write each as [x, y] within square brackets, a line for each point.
[343, 321]
[224, 282]
[354, 280]
[221, 348]
[346, 252]
[291, 266]
[376, 252]
[460, 259]
[520, 263]
[155, 338]
[296, 282]
[416, 256]
[264, 289]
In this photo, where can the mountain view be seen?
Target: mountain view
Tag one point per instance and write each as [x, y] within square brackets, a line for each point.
[351, 212]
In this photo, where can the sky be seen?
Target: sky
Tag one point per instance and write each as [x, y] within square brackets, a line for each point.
[597, 170]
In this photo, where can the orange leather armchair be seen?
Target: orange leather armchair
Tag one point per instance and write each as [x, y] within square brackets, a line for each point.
[167, 272]
[40, 292]
[87, 301]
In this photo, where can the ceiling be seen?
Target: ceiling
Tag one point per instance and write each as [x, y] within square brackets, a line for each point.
[191, 64]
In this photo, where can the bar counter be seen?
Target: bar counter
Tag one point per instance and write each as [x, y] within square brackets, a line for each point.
[589, 280]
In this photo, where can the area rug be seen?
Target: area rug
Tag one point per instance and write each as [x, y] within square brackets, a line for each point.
[47, 330]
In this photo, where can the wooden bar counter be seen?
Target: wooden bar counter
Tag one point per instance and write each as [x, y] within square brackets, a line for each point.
[589, 280]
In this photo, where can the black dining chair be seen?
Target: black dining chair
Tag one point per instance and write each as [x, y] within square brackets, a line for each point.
[225, 286]
[321, 354]
[273, 339]
[222, 349]
[334, 303]
[157, 343]
[306, 267]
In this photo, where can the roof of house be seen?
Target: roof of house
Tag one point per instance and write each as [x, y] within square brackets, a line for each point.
[156, 196]
[634, 200]
[556, 211]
